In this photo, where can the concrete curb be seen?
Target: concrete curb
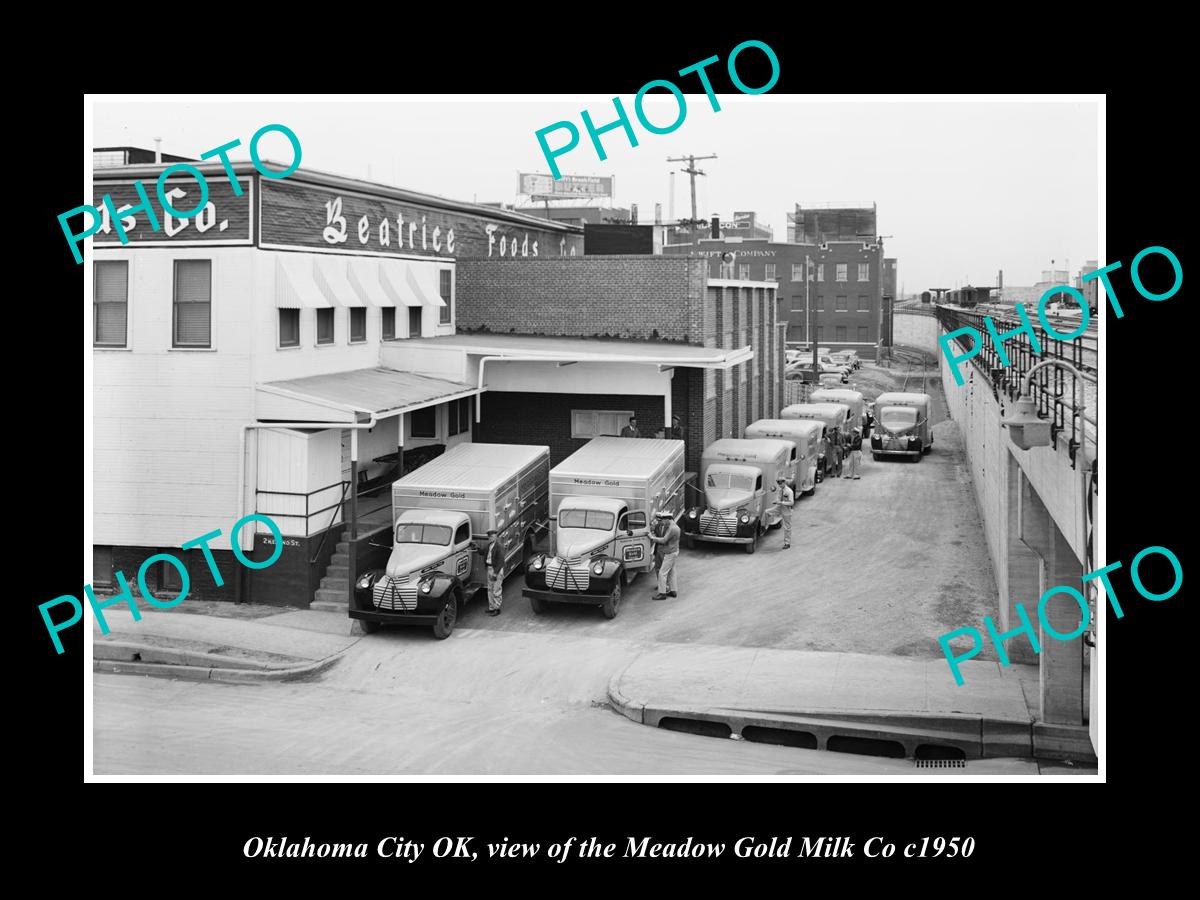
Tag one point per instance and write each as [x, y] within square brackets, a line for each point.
[227, 674]
[977, 736]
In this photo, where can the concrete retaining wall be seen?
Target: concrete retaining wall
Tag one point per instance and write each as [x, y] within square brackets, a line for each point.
[912, 329]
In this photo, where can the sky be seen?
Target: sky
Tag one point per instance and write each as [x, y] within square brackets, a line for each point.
[963, 188]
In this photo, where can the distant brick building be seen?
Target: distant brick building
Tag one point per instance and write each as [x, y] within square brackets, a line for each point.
[566, 349]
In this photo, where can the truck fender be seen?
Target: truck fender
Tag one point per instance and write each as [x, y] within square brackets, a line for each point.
[444, 585]
[613, 568]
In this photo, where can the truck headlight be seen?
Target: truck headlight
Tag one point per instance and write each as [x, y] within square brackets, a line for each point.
[426, 585]
[598, 569]
[692, 514]
[364, 582]
[745, 518]
[538, 562]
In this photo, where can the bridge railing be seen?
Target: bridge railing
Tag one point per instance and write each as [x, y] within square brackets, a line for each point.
[1058, 394]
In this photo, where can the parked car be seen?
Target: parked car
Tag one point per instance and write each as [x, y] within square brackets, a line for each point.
[802, 372]
[847, 358]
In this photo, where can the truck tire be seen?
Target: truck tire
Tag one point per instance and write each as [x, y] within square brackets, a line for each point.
[753, 545]
[629, 576]
[874, 456]
[928, 447]
[612, 605]
[812, 490]
[538, 605]
[526, 554]
[689, 542]
[447, 619]
[362, 626]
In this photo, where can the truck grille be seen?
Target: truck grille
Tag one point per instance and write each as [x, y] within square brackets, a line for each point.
[395, 594]
[721, 523]
[567, 574]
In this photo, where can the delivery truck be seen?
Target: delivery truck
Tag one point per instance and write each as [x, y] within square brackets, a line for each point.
[903, 425]
[854, 400]
[603, 498]
[441, 516]
[809, 438]
[741, 496]
[834, 416]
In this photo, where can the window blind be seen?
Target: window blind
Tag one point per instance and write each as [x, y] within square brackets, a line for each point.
[193, 303]
[111, 305]
[444, 290]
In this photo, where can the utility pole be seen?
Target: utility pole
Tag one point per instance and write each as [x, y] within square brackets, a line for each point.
[692, 173]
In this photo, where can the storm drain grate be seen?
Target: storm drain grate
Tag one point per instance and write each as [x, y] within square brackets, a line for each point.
[941, 763]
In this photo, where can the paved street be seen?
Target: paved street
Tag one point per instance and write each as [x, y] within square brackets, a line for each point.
[525, 694]
[480, 703]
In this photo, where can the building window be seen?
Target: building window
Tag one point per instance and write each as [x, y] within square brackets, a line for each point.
[839, 333]
[744, 271]
[770, 276]
[820, 303]
[862, 334]
[414, 321]
[864, 271]
[710, 384]
[590, 423]
[797, 272]
[193, 303]
[444, 286]
[358, 324]
[820, 271]
[841, 271]
[424, 422]
[102, 565]
[325, 325]
[169, 577]
[796, 333]
[110, 303]
[459, 416]
[797, 304]
[840, 303]
[389, 323]
[864, 304]
[289, 328]
[820, 333]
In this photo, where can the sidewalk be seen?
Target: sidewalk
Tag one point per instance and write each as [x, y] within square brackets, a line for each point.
[812, 698]
[241, 644]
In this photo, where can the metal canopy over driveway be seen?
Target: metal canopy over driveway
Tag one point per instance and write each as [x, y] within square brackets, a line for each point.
[340, 397]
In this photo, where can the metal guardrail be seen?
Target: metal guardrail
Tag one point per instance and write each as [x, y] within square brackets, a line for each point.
[1057, 393]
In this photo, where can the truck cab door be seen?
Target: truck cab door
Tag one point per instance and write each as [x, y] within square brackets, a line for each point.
[634, 549]
[461, 556]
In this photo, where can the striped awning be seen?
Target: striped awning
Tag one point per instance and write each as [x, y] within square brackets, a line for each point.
[295, 287]
[330, 275]
[423, 279]
[366, 279]
[397, 284]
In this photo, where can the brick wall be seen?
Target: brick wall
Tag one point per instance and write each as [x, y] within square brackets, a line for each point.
[628, 297]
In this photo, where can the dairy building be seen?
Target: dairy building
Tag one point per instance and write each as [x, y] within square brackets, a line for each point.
[240, 357]
[293, 351]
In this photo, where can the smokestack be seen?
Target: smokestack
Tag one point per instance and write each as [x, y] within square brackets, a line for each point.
[158, 150]
[657, 213]
[716, 227]
[632, 213]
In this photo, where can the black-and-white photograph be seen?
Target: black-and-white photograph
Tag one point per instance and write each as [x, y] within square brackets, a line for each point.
[685, 435]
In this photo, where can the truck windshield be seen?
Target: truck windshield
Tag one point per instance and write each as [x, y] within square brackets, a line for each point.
[585, 518]
[894, 418]
[729, 480]
[416, 533]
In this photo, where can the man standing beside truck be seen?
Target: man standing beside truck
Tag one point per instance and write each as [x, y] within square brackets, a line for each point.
[665, 536]
[787, 499]
[631, 430]
[495, 560]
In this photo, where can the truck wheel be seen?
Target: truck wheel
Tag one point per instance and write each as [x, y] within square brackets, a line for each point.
[928, 447]
[538, 605]
[753, 545]
[526, 554]
[612, 605]
[362, 626]
[689, 542]
[630, 574]
[447, 619]
[874, 456]
[812, 490]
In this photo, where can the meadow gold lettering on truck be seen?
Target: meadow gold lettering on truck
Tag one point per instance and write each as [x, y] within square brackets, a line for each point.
[571, 140]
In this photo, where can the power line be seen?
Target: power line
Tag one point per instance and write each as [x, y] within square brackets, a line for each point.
[692, 172]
